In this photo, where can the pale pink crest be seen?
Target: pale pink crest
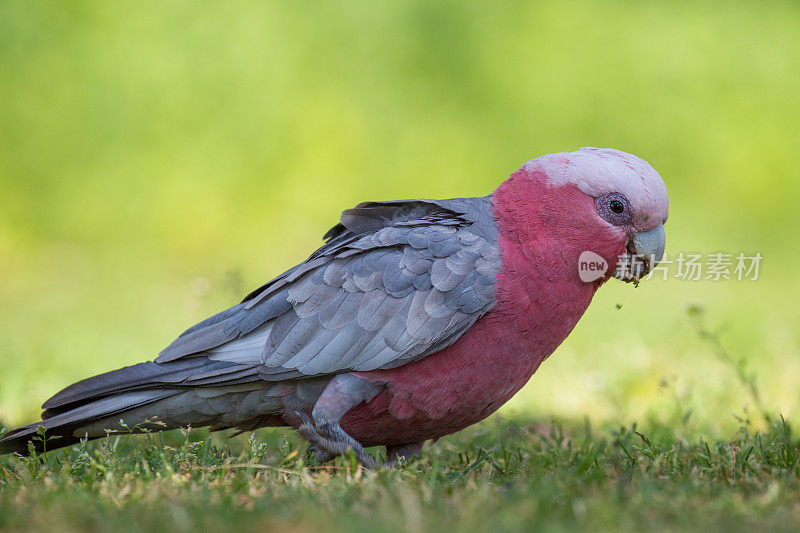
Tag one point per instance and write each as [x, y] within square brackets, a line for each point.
[597, 171]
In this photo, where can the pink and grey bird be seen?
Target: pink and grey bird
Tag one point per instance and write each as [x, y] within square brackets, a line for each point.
[415, 319]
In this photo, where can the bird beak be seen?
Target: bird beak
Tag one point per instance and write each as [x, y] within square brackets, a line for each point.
[643, 253]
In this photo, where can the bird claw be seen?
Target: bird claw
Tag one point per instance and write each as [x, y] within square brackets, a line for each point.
[330, 440]
[321, 456]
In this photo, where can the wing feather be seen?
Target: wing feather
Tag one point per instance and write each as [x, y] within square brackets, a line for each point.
[395, 282]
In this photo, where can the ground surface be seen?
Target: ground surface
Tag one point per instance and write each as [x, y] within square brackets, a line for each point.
[504, 474]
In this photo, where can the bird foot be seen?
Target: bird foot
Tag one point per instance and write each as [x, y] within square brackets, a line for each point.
[321, 456]
[330, 440]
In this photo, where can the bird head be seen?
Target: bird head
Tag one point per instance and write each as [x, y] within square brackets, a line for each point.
[599, 201]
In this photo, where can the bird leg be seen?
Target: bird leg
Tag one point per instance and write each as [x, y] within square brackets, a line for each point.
[341, 394]
[330, 443]
[402, 452]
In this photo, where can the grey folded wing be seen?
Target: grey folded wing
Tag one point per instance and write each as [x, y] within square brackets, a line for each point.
[394, 282]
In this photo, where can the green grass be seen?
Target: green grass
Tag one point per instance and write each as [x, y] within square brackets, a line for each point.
[504, 474]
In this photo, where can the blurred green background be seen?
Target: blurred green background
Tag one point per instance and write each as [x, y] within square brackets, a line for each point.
[159, 160]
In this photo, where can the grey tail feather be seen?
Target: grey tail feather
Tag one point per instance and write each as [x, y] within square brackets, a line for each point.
[17, 441]
[114, 393]
[62, 429]
[189, 372]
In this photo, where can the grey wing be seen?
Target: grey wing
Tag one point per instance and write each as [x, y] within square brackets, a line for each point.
[396, 281]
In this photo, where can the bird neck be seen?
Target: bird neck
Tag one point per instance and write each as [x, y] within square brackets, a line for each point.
[542, 232]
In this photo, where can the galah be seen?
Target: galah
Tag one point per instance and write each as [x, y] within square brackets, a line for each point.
[414, 320]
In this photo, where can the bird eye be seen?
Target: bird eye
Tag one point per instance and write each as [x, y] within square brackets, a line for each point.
[614, 208]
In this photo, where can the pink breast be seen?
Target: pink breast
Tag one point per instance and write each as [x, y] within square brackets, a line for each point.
[444, 392]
